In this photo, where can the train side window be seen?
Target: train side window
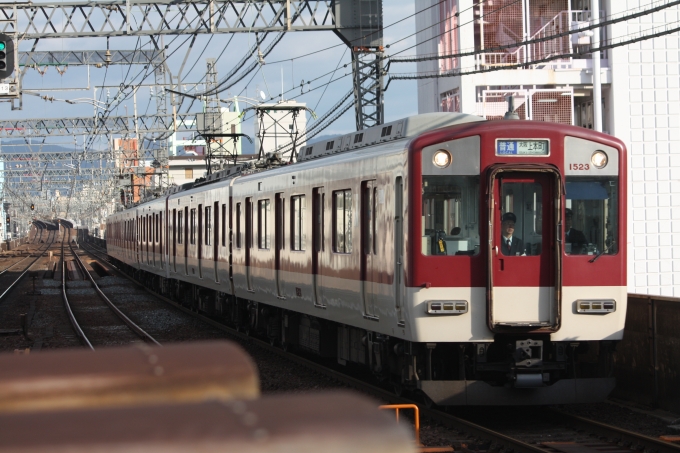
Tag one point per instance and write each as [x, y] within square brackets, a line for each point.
[224, 225]
[297, 207]
[208, 224]
[192, 227]
[238, 225]
[180, 223]
[263, 237]
[591, 220]
[342, 221]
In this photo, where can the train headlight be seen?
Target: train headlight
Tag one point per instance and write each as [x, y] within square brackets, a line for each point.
[442, 158]
[599, 159]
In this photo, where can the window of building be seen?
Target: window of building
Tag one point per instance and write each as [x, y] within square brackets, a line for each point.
[298, 206]
[342, 221]
[192, 227]
[208, 224]
[188, 173]
[263, 238]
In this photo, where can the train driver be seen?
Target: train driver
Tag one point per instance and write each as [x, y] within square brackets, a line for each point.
[576, 241]
[511, 245]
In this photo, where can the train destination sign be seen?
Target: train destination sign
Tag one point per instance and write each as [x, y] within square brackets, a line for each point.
[522, 148]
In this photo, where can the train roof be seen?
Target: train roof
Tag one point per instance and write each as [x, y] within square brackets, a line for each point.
[396, 130]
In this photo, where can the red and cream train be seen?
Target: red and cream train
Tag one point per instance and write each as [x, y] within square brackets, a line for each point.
[382, 248]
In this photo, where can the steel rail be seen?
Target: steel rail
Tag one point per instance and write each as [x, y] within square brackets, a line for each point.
[10, 287]
[134, 327]
[69, 312]
[650, 444]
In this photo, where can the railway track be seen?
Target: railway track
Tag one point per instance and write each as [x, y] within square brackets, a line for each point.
[13, 283]
[585, 436]
[101, 320]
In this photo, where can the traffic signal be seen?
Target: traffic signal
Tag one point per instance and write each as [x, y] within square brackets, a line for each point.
[7, 220]
[32, 207]
[6, 56]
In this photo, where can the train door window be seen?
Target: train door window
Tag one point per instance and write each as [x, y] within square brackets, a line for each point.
[180, 224]
[192, 227]
[160, 231]
[369, 205]
[450, 215]
[208, 224]
[263, 237]
[342, 221]
[297, 208]
[525, 201]
[238, 226]
[224, 225]
[156, 219]
[249, 223]
[591, 221]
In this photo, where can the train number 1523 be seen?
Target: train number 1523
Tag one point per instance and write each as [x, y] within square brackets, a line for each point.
[579, 166]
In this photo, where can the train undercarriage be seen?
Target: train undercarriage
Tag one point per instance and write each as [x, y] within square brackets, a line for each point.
[514, 369]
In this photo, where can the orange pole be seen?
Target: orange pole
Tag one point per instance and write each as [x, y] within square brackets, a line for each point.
[416, 417]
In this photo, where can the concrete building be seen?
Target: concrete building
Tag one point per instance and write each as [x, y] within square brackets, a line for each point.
[186, 168]
[640, 87]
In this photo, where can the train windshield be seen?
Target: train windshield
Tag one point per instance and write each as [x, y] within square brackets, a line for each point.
[450, 215]
[591, 217]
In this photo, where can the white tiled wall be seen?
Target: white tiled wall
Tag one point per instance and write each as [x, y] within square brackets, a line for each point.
[645, 101]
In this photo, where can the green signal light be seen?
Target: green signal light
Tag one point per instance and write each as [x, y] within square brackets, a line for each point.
[2, 45]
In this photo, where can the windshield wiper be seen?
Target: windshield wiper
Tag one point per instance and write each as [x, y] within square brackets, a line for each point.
[598, 255]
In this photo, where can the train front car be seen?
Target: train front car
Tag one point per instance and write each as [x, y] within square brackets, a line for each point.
[517, 276]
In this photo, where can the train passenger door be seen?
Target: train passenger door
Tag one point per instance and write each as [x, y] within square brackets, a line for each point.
[369, 273]
[249, 240]
[318, 198]
[278, 241]
[524, 279]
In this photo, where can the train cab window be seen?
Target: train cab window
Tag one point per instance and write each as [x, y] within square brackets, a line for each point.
[450, 215]
[297, 206]
[342, 221]
[238, 225]
[208, 224]
[591, 220]
[180, 224]
[192, 227]
[263, 237]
